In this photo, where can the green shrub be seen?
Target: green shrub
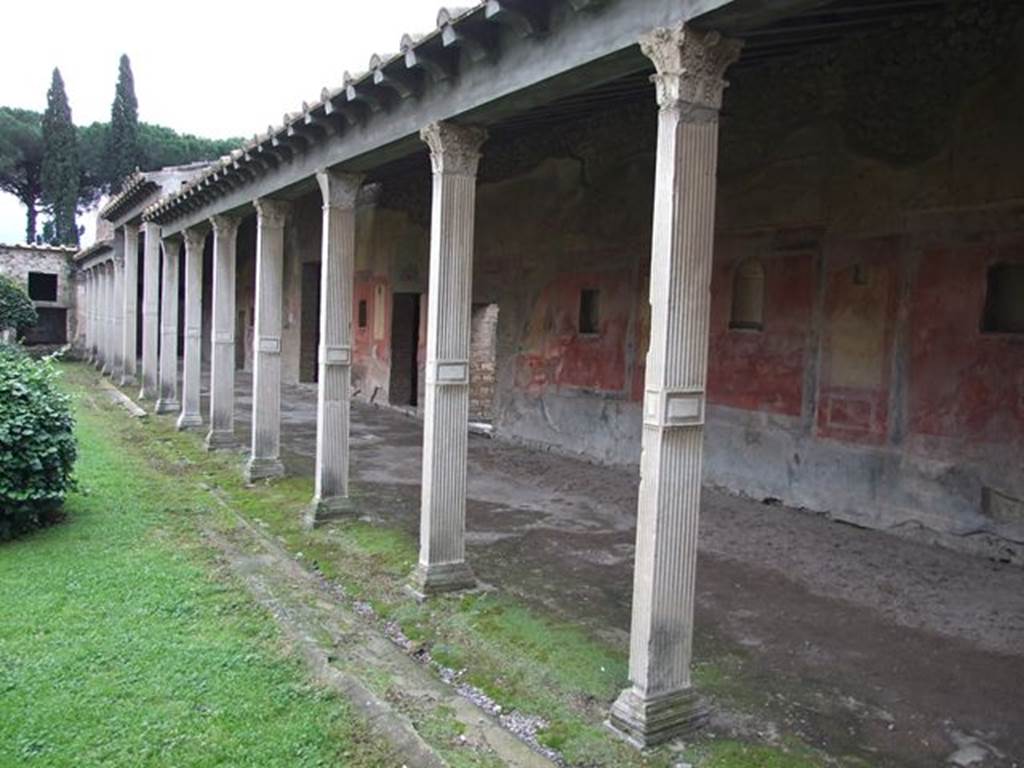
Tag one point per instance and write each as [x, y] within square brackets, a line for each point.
[37, 444]
[16, 309]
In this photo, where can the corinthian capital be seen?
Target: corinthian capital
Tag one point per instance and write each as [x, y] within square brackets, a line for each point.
[271, 213]
[195, 239]
[454, 148]
[690, 65]
[224, 225]
[339, 189]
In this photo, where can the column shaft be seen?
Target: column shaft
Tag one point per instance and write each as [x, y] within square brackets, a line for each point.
[90, 306]
[167, 400]
[129, 305]
[660, 704]
[191, 379]
[337, 272]
[222, 364]
[117, 309]
[108, 318]
[264, 459]
[455, 154]
[150, 309]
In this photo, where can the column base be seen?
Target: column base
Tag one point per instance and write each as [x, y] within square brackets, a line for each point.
[263, 469]
[189, 421]
[428, 580]
[128, 380]
[646, 722]
[221, 440]
[166, 405]
[147, 393]
[326, 509]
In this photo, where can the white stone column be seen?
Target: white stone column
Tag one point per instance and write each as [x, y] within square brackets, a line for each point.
[90, 309]
[117, 310]
[97, 323]
[167, 400]
[191, 378]
[660, 704]
[222, 363]
[454, 156]
[265, 456]
[337, 273]
[108, 318]
[150, 309]
[129, 304]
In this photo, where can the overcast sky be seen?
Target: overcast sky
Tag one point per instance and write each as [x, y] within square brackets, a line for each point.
[215, 68]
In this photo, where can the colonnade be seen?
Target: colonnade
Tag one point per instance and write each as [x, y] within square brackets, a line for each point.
[659, 703]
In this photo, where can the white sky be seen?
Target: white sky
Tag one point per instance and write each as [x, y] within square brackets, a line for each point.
[215, 68]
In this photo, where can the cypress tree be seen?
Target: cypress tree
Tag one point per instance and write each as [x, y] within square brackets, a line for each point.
[60, 170]
[123, 149]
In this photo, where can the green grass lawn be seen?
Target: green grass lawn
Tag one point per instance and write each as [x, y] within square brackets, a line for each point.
[122, 644]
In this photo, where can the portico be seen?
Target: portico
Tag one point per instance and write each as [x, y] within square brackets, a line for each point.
[601, 245]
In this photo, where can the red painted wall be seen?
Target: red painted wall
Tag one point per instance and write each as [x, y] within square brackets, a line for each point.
[963, 383]
[554, 353]
[762, 370]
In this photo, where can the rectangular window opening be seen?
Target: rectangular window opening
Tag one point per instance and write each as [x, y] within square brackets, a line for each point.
[1004, 299]
[590, 320]
[42, 286]
[362, 313]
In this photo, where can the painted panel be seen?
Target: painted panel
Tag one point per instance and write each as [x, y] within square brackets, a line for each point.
[964, 384]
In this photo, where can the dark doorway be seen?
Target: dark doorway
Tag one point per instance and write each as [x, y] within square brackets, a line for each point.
[309, 333]
[405, 340]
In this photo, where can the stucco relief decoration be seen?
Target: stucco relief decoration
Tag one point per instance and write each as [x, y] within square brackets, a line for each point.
[454, 149]
[690, 65]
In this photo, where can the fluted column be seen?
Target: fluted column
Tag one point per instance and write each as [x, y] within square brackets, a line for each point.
[265, 457]
[100, 316]
[150, 309]
[222, 363]
[337, 272]
[90, 309]
[117, 310]
[454, 156]
[129, 304]
[191, 377]
[167, 399]
[660, 704]
[107, 364]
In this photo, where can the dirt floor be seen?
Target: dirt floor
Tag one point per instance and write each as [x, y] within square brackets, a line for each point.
[859, 642]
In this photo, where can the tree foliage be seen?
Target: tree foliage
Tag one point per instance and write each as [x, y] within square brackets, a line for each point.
[16, 308]
[37, 444]
[60, 168]
[21, 161]
[123, 155]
